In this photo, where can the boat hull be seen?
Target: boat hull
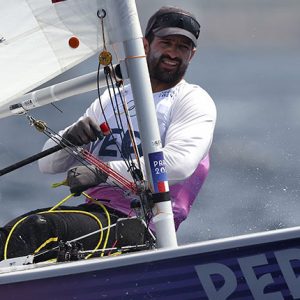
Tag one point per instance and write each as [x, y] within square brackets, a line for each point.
[258, 266]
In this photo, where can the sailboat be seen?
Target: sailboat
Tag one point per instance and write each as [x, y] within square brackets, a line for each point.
[257, 266]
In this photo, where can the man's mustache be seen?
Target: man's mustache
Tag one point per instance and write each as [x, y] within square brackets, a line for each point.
[170, 58]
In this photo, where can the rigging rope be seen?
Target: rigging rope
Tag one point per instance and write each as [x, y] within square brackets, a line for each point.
[105, 58]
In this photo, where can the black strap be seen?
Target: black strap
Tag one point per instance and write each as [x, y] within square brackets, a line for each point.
[161, 197]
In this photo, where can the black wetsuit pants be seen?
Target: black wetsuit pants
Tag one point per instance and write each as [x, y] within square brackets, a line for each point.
[41, 230]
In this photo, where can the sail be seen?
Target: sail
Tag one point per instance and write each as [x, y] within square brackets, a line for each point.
[40, 39]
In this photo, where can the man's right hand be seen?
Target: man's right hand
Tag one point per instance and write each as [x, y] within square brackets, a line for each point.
[83, 132]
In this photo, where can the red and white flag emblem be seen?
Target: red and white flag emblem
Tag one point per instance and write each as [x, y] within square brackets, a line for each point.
[162, 186]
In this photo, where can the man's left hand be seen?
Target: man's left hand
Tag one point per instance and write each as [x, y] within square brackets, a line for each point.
[81, 178]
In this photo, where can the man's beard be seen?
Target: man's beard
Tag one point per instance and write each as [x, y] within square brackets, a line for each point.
[158, 73]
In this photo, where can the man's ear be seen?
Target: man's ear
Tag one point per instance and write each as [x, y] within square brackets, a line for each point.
[193, 53]
[146, 45]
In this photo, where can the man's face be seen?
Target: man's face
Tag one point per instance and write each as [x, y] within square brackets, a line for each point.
[168, 57]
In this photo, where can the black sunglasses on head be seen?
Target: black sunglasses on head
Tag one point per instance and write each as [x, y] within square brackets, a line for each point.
[175, 20]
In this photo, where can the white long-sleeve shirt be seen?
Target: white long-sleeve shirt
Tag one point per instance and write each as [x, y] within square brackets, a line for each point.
[186, 117]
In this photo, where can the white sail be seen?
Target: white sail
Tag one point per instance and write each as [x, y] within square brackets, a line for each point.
[35, 38]
[43, 43]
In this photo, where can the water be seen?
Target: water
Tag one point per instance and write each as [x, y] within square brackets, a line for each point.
[251, 69]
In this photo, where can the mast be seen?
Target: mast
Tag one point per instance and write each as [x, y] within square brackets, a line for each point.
[137, 69]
